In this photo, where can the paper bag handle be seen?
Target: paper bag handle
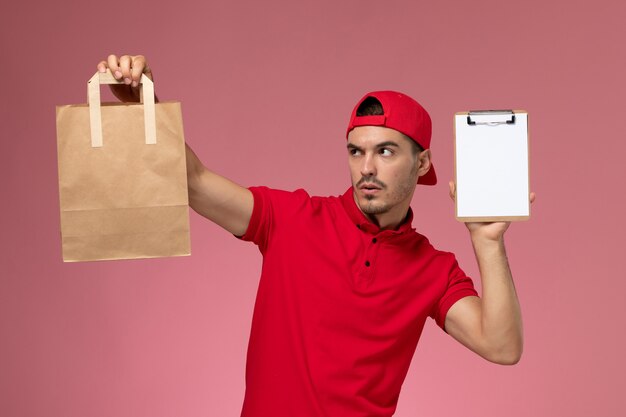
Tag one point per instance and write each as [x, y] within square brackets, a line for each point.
[95, 115]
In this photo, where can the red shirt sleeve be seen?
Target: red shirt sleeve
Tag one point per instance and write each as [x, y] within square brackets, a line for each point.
[459, 286]
[258, 228]
[270, 208]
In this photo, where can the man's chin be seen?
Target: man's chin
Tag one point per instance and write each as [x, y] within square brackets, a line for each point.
[369, 206]
[366, 199]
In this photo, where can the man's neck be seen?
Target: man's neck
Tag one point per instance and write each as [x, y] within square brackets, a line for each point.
[387, 221]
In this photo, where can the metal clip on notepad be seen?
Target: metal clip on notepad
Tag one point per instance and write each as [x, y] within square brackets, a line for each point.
[510, 121]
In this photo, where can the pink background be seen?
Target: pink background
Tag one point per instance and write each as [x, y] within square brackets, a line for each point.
[267, 88]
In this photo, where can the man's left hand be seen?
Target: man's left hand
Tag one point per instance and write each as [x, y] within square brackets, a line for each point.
[485, 230]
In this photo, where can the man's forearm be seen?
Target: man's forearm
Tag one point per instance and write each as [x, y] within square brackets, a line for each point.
[217, 198]
[501, 319]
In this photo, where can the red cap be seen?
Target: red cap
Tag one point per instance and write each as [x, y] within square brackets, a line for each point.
[403, 114]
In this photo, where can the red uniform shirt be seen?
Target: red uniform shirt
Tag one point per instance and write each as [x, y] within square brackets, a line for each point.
[340, 307]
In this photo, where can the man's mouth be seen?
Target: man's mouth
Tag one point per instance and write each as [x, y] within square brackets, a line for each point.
[369, 190]
[369, 187]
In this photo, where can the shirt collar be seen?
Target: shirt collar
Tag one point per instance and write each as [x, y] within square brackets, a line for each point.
[363, 223]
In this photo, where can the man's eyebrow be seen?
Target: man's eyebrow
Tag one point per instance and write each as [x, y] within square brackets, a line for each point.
[387, 143]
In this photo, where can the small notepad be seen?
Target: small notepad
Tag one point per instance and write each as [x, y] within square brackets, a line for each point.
[491, 165]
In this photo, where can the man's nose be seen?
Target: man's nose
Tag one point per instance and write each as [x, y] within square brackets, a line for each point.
[368, 166]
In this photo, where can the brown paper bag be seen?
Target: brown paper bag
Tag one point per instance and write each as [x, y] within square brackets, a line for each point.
[122, 177]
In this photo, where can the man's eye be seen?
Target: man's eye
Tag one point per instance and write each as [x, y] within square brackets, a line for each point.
[354, 152]
[385, 152]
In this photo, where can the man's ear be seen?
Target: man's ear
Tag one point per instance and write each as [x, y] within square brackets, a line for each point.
[423, 159]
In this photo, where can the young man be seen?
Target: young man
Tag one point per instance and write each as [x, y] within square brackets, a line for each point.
[347, 283]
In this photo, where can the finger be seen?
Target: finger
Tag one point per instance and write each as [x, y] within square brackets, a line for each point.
[125, 64]
[102, 66]
[114, 66]
[138, 67]
[452, 186]
[148, 71]
[532, 197]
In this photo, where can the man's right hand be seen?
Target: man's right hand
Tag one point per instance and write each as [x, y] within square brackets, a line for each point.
[126, 68]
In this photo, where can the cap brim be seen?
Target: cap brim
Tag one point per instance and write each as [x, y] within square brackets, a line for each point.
[430, 178]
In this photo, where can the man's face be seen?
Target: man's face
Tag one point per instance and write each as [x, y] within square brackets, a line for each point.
[384, 170]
